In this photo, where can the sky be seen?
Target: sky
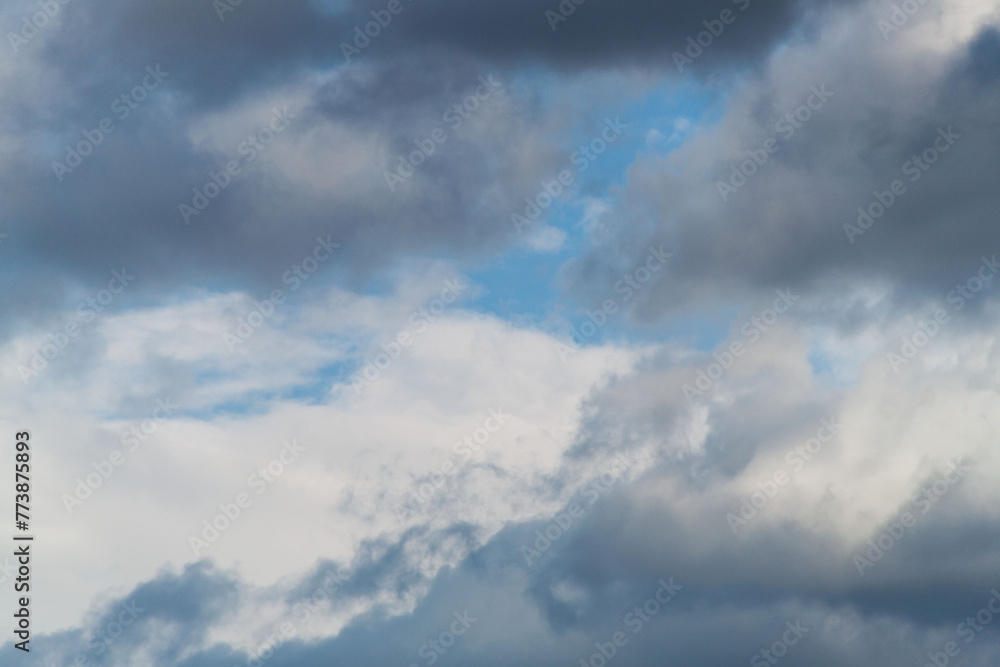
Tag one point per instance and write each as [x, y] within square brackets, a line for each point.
[427, 332]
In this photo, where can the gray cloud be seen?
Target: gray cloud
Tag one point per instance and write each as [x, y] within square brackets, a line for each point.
[784, 225]
[121, 204]
[783, 228]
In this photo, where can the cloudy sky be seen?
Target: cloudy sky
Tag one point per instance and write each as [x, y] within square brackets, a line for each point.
[416, 332]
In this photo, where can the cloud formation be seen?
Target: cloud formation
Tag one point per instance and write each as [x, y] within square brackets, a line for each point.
[311, 395]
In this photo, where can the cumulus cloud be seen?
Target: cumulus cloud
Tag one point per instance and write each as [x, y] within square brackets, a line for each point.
[255, 260]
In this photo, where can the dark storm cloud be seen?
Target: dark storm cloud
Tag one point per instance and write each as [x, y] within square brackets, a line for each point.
[984, 56]
[120, 207]
[260, 41]
[794, 221]
[597, 32]
[121, 204]
[212, 61]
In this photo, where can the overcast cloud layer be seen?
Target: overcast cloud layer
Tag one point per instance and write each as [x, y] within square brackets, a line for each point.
[508, 333]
